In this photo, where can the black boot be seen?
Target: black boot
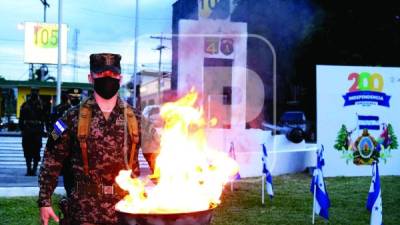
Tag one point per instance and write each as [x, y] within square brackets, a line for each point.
[28, 167]
[35, 165]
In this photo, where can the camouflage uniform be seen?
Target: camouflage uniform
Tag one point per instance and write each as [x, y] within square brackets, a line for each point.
[59, 111]
[107, 141]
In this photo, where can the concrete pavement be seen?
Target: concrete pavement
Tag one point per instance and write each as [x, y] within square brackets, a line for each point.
[13, 181]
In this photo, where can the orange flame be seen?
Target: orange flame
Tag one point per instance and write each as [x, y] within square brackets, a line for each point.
[190, 174]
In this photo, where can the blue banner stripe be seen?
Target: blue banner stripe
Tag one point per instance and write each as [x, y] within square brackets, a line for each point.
[369, 127]
[380, 98]
[376, 118]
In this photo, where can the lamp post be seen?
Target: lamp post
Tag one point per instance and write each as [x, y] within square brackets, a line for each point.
[59, 67]
[160, 48]
[135, 53]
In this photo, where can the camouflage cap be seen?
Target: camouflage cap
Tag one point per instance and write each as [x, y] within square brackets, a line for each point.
[105, 61]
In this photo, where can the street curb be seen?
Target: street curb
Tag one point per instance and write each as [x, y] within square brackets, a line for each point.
[25, 191]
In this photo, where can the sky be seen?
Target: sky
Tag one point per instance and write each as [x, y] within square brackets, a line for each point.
[103, 25]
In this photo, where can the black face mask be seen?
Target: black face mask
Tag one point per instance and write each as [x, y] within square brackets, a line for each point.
[106, 87]
[75, 101]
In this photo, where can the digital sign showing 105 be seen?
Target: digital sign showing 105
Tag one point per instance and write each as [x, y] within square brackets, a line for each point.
[46, 36]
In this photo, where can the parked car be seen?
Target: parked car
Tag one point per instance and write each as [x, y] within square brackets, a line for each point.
[2, 123]
[9, 124]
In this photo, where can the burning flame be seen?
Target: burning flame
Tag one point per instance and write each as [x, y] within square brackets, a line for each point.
[190, 174]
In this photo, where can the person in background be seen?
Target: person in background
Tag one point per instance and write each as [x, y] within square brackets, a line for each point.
[151, 126]
[68, 100]
[31, 123]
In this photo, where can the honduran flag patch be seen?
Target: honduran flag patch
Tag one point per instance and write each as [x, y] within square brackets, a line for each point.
[58, 128]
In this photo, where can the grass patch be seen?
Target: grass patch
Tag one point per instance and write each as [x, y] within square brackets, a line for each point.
[22, 210]
[292, 203]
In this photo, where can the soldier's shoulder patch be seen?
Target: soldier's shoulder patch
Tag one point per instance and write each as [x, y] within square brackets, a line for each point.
[58, 128]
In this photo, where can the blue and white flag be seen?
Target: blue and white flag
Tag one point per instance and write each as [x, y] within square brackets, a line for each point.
[321, 201]
[232, 154]
[374, 202]
[58, 128]
[268, 175]
[368, 122]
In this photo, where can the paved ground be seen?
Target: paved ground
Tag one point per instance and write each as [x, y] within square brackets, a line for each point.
[13, 181]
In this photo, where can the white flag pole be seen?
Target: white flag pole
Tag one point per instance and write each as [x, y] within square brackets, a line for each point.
[262, 190]
[313, 210]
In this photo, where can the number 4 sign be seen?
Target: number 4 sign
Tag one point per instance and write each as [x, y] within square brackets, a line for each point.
[212, 45]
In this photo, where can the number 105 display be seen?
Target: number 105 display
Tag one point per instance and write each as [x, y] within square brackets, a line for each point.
[41, 43]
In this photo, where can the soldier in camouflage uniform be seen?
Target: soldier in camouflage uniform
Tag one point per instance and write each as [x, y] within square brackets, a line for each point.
[68, 100]
[94, 194]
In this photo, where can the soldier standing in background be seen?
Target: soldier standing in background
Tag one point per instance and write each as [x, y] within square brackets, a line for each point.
[31, 123]
[71, 99]
[150, 136]
[94, 137]
[68, 100]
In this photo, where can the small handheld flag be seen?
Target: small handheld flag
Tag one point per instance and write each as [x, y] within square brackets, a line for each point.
[374, 202]
[232, 154]
[267, 173]
[318, 188]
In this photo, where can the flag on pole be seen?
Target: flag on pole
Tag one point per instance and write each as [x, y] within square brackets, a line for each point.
[374, 202]
[321, 198]
[268, 180]
[232, 154]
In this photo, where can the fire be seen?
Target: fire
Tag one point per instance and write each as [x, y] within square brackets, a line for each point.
[190, 174]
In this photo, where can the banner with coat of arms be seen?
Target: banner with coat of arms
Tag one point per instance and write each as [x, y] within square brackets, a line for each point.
[358, 118]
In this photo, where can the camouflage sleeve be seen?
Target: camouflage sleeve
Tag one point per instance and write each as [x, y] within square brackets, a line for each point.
[57, 149]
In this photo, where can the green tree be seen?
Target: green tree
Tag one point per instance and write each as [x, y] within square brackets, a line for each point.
[341, 140]
[393, 138]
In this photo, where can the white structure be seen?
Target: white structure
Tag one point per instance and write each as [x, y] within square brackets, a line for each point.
[212, 59]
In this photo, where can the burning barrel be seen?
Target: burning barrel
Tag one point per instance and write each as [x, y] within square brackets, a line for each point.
[187, 218]
[190, 174]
